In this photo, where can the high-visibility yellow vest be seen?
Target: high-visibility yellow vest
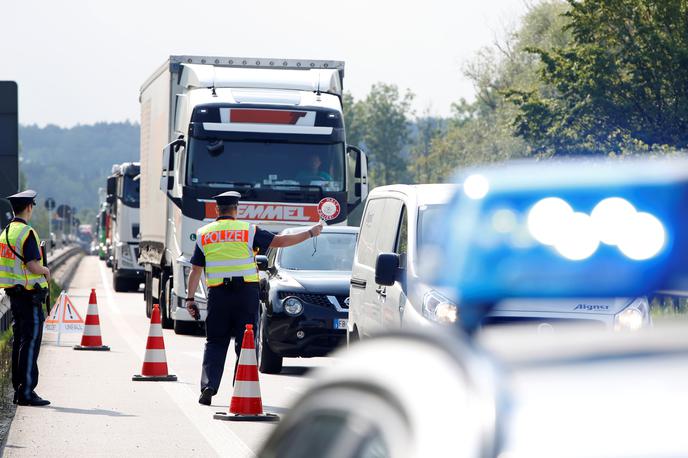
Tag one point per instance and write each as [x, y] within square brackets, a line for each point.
[228, 248]
[13, 271]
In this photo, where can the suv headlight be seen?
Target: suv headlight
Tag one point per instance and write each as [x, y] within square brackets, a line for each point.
[633, 317]
[292, 305]
[438, 308]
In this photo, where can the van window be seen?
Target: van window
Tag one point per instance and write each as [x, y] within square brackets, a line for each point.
[370, 225]
[402, 239]
[388, 234]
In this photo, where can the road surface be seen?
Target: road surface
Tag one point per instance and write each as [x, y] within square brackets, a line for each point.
[98, 411]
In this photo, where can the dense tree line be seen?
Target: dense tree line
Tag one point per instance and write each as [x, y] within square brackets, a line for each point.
[70, 164]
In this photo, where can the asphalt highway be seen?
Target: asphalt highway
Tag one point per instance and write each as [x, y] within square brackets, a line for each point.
[97, 410]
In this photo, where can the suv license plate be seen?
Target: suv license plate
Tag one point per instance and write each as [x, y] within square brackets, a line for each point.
[341, 323]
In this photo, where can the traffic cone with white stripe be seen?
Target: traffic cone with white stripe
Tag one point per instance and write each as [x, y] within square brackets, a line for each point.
[246, 404]
[155, 362]
[91, 339]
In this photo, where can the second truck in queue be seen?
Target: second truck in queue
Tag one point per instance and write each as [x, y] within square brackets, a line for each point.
[271, 129]
[123, 200]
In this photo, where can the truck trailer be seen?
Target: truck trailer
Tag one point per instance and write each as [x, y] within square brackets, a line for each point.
[123, 197]
[271, 129]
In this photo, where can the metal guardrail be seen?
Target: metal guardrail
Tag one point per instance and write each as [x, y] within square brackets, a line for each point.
[61, 257]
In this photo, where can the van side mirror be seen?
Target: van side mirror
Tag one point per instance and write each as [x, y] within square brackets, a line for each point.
[386, 268]
[262, 262]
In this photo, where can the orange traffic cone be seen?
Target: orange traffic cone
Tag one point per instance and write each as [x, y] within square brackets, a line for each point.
[91, 339]
[155, 362]
[246, 404]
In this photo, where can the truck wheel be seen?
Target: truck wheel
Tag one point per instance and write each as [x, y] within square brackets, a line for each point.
[119, 283]
[269, 362]
[164, 307]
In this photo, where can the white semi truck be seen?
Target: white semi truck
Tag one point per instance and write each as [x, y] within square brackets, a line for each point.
[123, 198]
[271, 129]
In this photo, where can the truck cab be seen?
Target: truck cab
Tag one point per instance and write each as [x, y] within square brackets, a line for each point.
[271, 130]
[123, 198]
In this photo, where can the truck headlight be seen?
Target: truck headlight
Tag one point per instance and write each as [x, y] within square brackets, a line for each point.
[438, 308]
[292, 305]
[633, 317]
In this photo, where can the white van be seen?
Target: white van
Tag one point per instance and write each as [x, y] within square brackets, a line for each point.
[388, 293]
[395, 222]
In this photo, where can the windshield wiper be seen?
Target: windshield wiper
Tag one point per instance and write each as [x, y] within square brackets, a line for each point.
[313, 187]
[236, 184]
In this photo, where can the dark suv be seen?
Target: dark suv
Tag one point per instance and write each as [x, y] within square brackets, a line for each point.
[305, 298]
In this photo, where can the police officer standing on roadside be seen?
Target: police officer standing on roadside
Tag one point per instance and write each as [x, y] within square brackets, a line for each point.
[226, 250]
[25, 281]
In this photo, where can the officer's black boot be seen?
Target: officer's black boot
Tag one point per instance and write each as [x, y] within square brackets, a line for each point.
[32, 400]
[206, 396]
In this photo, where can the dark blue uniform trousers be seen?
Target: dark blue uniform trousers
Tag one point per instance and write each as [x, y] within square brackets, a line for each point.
[27, 326]
[230, 309]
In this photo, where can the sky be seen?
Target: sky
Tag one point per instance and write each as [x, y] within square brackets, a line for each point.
[83, 61]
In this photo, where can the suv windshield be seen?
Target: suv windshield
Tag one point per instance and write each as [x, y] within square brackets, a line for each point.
[266, 164]
[335, 251]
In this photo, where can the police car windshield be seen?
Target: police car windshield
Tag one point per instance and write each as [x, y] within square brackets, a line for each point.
[334, 252]
[270, 165]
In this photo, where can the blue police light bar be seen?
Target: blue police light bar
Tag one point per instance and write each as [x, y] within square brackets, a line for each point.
[565, 229]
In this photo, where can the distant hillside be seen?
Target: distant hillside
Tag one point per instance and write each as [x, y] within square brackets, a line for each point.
[70, 165]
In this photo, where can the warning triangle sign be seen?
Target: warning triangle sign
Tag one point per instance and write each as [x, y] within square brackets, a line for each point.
[69, 313]
[64, 317]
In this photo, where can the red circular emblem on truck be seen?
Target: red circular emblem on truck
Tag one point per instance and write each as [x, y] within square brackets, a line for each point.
[328, 208]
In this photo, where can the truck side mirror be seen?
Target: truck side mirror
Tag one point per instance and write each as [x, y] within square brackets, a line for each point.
[386, 268]
[167, 176]
[360, 172]
[110, 198]
[111, 186]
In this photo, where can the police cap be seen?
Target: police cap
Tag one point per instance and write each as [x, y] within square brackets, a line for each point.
[228, 198]
[23, 198]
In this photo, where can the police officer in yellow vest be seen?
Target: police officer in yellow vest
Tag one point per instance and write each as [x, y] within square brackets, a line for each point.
[226, 250]
[25, 281]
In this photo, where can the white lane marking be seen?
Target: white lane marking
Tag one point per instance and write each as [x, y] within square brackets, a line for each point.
[295, 390]
[214, 431]
[222, 439]
[194, 354]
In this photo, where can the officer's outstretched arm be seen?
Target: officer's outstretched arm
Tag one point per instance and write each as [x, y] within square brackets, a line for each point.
[284, 240]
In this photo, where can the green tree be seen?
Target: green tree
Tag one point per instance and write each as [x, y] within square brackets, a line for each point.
[353, 120]
[386, 115]
[483, 130]
[619, 85]
[428, 128]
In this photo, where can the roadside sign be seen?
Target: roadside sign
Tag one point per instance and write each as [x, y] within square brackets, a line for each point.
[64, 318]
[50, 204]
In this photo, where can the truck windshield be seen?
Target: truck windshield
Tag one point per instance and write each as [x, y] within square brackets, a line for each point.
[130, 191]
[273, 165]
[335, 251]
